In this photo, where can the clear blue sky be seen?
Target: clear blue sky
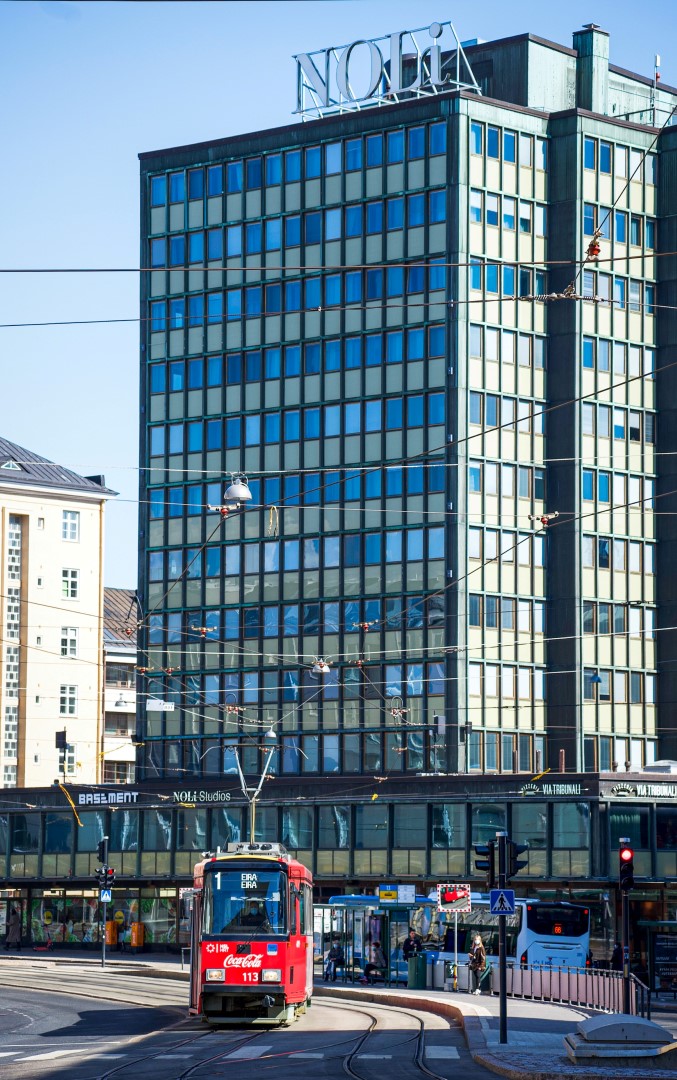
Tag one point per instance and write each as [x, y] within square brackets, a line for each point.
[84, 88]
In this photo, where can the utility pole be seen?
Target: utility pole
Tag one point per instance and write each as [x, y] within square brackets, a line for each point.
[502, 838]
[102, 874]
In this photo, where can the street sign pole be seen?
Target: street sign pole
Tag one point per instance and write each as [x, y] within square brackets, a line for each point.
[502, 942]
[455, 950]
[103, 943]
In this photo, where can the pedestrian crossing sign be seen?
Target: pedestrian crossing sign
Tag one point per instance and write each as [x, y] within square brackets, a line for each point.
[105, 896]
[502, 901]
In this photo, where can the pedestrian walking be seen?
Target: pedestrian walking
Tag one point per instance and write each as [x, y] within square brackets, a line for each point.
[617, 957]
[477, 960]
[13, 931]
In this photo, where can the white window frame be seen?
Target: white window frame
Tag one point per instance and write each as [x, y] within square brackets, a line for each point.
[71, 580]
[70, 526]
[69, 641]
[68, 699]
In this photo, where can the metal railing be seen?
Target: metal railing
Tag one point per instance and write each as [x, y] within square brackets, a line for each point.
[592, 988]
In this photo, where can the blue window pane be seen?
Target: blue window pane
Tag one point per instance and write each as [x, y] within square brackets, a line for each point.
[414, 476]
[158, 252]
[234, 304]
[332, 420]
[312, 356]
[332, 355]
[157, 378]
[395, 214]
[273, 234]
[292, 488]
[311, 423]
[374, 150]
[176, 375]
[415, 344]
[195, 437]
[292, 165]
[436, 478]
[351, 550]
[475, 138]
[332, 158]
[213, 440]
[436, 341]
[374, 217]
[158, 316]
[174, 502]
[254, 174]
[352, 418]
[292, 231]
[253, 235]
[313, 162]
[353, 347]
[332, 224]
[492, 142]
[415, 210]
[438, 139]
[292, 292]
[272, 488]
[395, 147]
[394, 414]
[372, 484]
[196, 310]
[273, 299]
[588, 484]
[373, 350]
[414, 545]
[177, 250]
[292, 360]
[177, 311]
[394, 347]
[156, 503]
[438, 206]
[252, 366]
[313, 288]
[416, 142]
[215, 244]
[415, 411]
[395, 281]
[272, 363]
[353, 486]
[215, 180]
[354, 287]
[436, 408]
[274, 169]
[234, 177]
[393, 481]
[588, 219]
[415, 279]
[158, 190]
[332, 286]
[492, 277]
[353, 155]
[374, 284]
[272, 428]
[194, 499]
[196, 247]
[354, 220]
[177, 187]
[176, 438]
[252, 431]
[196, 184]
[233, 369]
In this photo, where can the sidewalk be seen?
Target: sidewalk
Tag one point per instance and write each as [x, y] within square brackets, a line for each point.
[535, 1047]
[162, 965]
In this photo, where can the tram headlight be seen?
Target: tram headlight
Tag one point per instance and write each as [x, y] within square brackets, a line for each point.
[215, 975]
[271, 975]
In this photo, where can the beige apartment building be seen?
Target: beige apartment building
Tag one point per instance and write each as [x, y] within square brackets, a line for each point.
[51, 621]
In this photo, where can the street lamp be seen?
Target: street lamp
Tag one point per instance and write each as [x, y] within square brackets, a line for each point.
[236, 494]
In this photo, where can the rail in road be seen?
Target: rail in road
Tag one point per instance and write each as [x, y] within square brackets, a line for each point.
[86, 980]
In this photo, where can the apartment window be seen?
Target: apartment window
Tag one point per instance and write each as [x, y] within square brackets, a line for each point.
[70, 582]
[589, 153]
[68, 700]
[476, 138]
[69, 641]
[509, 146]
[70, 525]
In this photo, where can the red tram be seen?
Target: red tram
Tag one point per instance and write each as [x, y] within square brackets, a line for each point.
[251, 936]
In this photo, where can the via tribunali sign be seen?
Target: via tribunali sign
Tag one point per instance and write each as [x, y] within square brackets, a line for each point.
[381, 71]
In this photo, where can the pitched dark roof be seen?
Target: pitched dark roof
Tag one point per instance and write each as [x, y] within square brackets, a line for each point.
[36, 471]
[120, 613]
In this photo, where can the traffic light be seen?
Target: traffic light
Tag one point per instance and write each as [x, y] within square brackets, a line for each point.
[60, 740]
[488, 863]
[109, 877]
[514, 863]
[626, 868]
[102, 851]
[100, 875]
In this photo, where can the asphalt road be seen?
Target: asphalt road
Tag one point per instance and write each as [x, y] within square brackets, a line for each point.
[49, 1034]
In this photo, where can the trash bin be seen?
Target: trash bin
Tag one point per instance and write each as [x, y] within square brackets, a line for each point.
[439, 967]
[449, 975]
[416, 972]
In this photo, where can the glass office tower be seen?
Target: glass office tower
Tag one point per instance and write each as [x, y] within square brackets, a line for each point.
[356, 314]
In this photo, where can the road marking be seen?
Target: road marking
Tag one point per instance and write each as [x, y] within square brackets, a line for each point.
[248, 1053]
[307, 1055]
[375, 1057]
[441, 1052]
[173, 1057]
[9, 1053]
[57, 1054]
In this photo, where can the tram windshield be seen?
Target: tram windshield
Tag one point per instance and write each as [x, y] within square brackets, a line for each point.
[244, 902]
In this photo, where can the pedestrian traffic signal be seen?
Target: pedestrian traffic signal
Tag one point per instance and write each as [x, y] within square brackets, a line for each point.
[626, 868]
[514, 863]
[487, 864]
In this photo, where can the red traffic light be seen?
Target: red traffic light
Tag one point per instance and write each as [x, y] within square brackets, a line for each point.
[626, 854]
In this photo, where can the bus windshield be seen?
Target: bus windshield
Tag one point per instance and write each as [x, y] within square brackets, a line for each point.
[244, 902]
[555, 920]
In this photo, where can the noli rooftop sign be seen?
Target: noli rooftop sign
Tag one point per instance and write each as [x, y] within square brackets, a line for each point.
[381, 71]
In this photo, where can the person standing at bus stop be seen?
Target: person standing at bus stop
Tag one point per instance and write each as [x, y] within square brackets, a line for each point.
[13, 930]
[477, 958]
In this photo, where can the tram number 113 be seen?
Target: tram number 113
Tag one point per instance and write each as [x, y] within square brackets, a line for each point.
[250, 976]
